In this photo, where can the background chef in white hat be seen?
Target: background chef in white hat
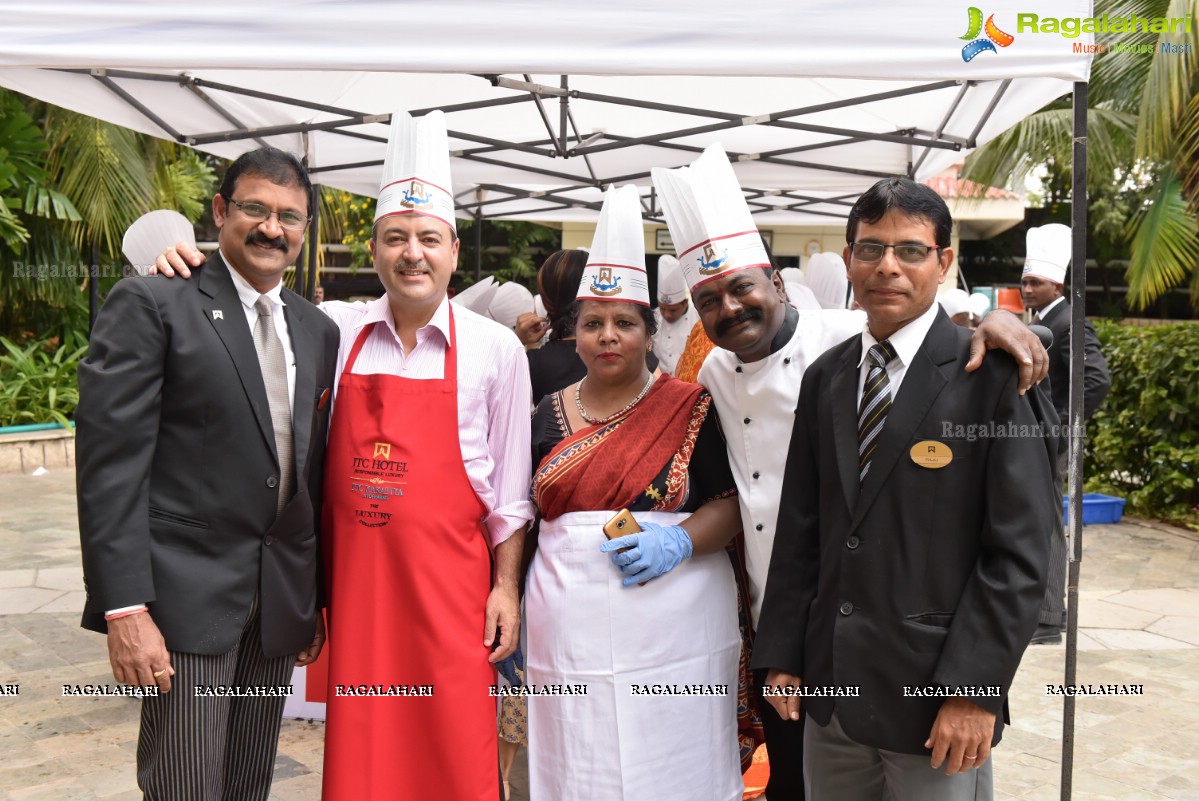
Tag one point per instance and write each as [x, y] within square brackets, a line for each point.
[763, 346]
[675, 314]
[956, 304]
[1047, 258]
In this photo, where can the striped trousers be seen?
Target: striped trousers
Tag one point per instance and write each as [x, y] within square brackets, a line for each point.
[197, 746]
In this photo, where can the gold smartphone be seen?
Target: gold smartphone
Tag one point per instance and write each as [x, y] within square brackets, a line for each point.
[623, 523]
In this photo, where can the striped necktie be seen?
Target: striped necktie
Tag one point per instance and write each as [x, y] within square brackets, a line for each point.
[876, 400]
[274, 375]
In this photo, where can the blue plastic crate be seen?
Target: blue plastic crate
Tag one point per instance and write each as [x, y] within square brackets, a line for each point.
[1096, 508]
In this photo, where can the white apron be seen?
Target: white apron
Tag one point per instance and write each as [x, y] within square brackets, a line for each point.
[677, 633]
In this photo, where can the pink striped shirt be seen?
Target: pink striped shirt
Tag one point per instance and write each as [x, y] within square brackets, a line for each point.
[494, 395]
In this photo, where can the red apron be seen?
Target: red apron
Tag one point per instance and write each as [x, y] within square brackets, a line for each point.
[408, 577]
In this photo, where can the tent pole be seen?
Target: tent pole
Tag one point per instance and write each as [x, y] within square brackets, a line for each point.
[93, 286]
[563, 118]
[1078, 311]
[308, 288]
[478, 248]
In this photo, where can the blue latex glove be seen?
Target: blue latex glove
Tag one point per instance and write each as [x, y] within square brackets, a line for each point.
[508, 666]
[653, 551]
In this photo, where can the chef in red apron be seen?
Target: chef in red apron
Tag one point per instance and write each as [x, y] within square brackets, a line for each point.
[426, 498]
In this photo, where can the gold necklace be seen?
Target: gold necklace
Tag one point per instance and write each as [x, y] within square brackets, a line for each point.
[611, 417]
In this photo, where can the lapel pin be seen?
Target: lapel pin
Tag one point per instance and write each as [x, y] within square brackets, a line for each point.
[217, 314]
[324, 401]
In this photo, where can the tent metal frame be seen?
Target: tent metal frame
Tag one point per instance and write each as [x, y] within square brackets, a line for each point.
[567, 143]
[559, 144]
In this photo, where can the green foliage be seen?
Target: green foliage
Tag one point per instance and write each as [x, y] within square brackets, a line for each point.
[512, 249]
[183, 178]
[38, 382]
[1165, 243]
[55, 164]
[23, 178]
[1142, 136]
[102, 167]
[349, 219]
[1144, 439]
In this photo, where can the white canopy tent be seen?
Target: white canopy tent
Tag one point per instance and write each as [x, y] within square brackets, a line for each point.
[548, 103]
[546, 106]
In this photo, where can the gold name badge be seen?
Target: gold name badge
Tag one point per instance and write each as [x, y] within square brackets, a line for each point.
[931, 454]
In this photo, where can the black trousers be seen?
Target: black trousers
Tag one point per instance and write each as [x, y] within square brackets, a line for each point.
[784, 744]
[1053, 606]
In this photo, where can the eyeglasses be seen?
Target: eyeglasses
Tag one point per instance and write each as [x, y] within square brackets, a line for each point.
[870, 252]
[257, 211]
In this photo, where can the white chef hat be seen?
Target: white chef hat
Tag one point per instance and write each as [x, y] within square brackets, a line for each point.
[954, 301]
[800, 296]
[510, 301]
[152, 232]
[416, 169]
[1047, 252]
[793, 275]
[828, 279]
[477, 297]
[616, 263]
[672, 287]
[980, 304]
[708, 218]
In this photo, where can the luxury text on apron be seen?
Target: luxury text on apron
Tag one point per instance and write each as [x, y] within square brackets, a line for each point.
[409, 712]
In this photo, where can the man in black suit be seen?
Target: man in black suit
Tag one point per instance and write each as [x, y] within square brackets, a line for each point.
[910, 554]
[201, 435]
[1047, 257]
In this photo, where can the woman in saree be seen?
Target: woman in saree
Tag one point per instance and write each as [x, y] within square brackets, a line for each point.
[645, 624]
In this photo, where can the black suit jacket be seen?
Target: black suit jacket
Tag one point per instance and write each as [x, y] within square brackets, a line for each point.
[922, 577]
[176, 466]
[1096, 378]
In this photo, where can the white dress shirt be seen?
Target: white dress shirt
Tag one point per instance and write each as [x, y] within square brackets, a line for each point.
[906, 341]
[756, 402]
[671, 338]
[249, 296]
[1040, 315]
[494, 395]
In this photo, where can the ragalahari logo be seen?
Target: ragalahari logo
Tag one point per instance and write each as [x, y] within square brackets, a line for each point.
[993, 37]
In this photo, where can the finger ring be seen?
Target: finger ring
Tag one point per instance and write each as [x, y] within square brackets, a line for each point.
[158, 673]
[971, 756]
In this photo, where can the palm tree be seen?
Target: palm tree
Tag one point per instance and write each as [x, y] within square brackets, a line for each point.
[1143, 135]
[69, 183]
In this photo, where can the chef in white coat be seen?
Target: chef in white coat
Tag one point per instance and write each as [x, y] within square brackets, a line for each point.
[676, 316]
[763, 346]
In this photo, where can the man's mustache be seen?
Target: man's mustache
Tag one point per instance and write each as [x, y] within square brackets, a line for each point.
[256, 238]
[743, 316]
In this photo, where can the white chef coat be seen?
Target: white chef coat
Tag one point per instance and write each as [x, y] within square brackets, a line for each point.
[671, 338]
[756, 403]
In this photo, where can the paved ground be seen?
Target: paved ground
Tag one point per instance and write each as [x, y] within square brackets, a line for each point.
[1140, 625]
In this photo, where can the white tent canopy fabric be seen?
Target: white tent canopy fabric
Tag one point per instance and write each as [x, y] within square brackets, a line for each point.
[548, 105]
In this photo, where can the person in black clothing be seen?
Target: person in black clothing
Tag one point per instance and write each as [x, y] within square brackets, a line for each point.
[1048, 256]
